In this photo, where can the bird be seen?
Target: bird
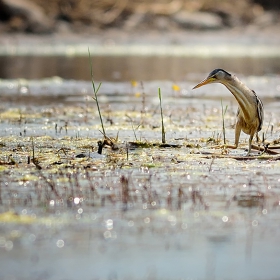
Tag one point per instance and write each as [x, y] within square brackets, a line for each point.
[250, 113]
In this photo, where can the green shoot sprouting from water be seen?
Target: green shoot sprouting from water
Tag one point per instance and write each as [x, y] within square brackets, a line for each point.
[162, 125]
[95, 91]
[223, 118]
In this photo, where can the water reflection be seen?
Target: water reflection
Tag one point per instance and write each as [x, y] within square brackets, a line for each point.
[126, 68]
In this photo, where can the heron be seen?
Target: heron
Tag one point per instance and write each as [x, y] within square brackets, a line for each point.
[250, 108]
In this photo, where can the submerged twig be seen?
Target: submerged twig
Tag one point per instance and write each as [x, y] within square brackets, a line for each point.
[126, 147]
[125, 191]
[50, 183]
[34, 160]
[211, 163]
[143, 111]
[100, 147]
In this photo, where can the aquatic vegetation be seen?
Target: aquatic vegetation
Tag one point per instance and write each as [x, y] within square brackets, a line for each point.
[65, 186]
[161, 114]
[95, 91]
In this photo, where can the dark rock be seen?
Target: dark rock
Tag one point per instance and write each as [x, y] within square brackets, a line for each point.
[269, 4]
[24, 15]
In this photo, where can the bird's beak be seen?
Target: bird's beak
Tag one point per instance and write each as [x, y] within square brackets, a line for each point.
[206, 81]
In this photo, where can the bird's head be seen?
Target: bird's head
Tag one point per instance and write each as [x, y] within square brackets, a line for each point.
[216, 76]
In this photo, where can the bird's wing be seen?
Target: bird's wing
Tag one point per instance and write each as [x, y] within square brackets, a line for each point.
[259, 110]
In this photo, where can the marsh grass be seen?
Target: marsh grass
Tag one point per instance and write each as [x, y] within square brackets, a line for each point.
[95, 92]
[133, 127]
[162, 123]
[143, 110]
[223, 121]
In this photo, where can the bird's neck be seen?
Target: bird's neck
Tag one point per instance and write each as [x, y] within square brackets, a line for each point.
[243, 95]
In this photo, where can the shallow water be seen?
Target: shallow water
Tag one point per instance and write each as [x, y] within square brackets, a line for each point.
[150, 56]
[183, 214]
[132, 67]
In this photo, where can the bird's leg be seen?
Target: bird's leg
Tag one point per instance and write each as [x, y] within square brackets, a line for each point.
[263, 148]
[250, 143]
[258, 146]
[237, 136]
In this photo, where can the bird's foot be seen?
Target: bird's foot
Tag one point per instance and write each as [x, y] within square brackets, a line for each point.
[261, 150]
[266, 149]
[223, 146]
[258, 148]
[248, 154]
[226, 147]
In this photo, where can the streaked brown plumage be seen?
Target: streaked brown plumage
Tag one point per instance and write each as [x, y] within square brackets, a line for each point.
[250, 107]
